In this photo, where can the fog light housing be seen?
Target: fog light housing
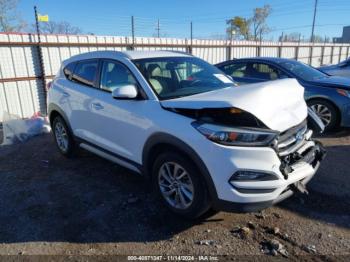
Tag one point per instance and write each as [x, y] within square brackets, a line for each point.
[252, 175]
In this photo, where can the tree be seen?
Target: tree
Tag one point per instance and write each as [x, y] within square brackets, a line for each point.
[319, 39]
[291, 37]
[62, 27]
[10, 21]
[253, 28]
[240, 27]
[259, 24]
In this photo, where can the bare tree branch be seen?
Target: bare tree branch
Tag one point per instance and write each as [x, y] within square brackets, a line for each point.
[62, 27]
[10, 20]
[260, 27]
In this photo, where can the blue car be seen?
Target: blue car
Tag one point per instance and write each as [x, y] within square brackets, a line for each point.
[328, 96]
[341, 69]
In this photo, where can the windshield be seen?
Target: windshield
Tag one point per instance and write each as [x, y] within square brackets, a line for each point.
[172, 77]
[302, 70]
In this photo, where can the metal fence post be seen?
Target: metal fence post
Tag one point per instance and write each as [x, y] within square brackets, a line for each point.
[311, 50]
[322, 54]
[279, 52]
[296, 52]
[133, 32]
[191, 39]
[41, 64]
[340, 51]
[332, 53]
[347, 52]
[228, 50]
[260, 47]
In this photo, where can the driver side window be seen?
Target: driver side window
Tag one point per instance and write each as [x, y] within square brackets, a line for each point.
[114, 75]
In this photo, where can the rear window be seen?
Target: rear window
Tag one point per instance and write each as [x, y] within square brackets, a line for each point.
[68, 70]
[85, 72]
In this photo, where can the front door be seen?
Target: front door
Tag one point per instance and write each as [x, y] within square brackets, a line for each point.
[119, 125]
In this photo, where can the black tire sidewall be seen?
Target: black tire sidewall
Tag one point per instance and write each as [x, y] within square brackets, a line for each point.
[70, 138]
[334, 113]
[201, 201]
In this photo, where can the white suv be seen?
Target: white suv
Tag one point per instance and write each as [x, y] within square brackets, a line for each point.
[203, 141]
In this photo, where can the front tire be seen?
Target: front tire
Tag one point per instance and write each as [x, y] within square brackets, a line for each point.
[326, 112]
[63, 137]
[180, 185]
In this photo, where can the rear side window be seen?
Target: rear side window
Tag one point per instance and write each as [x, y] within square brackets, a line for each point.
[85, 72]
[68, 70]
[235, 70]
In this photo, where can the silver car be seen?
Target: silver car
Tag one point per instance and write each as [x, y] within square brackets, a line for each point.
[341, 69]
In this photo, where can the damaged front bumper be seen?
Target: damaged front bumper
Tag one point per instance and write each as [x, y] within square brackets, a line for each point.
[311, 153]
[299, 158]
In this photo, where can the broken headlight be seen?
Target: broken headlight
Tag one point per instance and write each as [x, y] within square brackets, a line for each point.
[236, 136]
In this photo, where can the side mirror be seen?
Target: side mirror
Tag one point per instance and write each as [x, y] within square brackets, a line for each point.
[125, 92]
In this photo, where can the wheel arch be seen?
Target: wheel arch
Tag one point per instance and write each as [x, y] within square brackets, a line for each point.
[53, 111]
[160, 142]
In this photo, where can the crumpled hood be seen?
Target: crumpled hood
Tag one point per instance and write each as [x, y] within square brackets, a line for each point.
[279, 104]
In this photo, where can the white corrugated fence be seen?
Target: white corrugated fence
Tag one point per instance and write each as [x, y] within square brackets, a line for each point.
[21, 83]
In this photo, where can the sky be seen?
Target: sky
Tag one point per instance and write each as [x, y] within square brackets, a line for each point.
[108, 17]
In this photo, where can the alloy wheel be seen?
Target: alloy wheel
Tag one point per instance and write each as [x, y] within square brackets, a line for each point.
[323, 113]
[175, 185]
[61, 136]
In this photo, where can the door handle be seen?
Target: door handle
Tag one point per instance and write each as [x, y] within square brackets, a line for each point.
[65, 94]
[97, 106]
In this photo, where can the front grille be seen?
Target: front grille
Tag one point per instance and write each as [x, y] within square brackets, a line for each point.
[292, 139]
[295, 147]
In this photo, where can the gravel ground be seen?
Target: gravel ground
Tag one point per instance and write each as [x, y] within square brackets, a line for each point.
[88, 206]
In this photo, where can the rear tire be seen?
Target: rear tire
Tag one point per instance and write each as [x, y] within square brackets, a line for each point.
[180, 186]
[326, 111]
[63, 137]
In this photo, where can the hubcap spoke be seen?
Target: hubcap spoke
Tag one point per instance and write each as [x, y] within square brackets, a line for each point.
[182, 198]
[170, 192]
[186, 192]
[166, 176]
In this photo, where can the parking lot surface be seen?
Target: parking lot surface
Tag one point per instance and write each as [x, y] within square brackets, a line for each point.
[89, 206]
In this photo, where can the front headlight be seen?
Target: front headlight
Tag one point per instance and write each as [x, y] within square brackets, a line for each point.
[343, 92]
[236, 136]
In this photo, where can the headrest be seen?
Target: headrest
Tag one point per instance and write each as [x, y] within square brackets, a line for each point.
[154, 70]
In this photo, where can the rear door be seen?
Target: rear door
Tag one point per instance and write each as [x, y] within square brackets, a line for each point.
[78, 95]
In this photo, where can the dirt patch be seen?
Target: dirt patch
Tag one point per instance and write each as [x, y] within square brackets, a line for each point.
[87, 205]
